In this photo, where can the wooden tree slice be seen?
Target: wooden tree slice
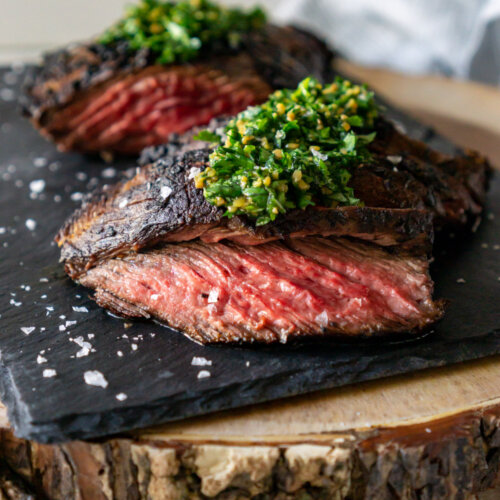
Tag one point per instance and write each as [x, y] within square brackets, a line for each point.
[432, 435]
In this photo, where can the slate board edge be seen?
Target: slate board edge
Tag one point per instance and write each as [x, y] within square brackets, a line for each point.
[180, 407]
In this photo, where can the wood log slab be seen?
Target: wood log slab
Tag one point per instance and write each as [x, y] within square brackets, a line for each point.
[428, 435]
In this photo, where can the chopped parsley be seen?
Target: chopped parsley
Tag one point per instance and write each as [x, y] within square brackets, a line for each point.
[295, 150]
[176, 31]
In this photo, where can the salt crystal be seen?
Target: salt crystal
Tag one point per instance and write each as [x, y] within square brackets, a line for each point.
[49, 308]
[247, 364]
[428, 430]
[30, 224]
[460, 280]
[27, 329]
[49, 372]
[7, 94]
[394, 159]
[14, 303]
[213, 296]
[322, 319]
[44, 280]
[119, 354]
[90, 336]
[44, 296]
[40, 162]
[165, 192]
[76, 196]
[193, 172]
[40, 359]
[123, 203]
[62, 316]
[62, 328]
[95, 378]
[134, 347]
[203, 374]
[2, 230]
[37, 186]
[155, 296]
[80, 309]
[200, 361]
[121, 396]
[70, 323]
[109, 172]
[85, 347]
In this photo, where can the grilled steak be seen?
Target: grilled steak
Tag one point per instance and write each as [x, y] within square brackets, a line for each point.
[160, 203]
[96, 98]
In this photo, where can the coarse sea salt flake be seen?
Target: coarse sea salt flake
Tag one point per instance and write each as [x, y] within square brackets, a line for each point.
[121, 396]
[37, 186]
[165, 192]
[193, 172]
[80, 309]
[31, 224]
[203, 374]
[49, 372]
[134, 347]
[27, 329]
[69, 323]
[95, 378]
[14, 303]
[40, 162]
[200, 361]
[109, 172]
[76, 196]
[85, 347]
[213, 296]
[40, 359]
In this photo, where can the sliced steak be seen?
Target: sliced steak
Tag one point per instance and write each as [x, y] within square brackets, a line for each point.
[96, 98]
[160, 203]
[272, 292]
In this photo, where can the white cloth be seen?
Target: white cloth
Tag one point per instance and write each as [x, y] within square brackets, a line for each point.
[459, 38]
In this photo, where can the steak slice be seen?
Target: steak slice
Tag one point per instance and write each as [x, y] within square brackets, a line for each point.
[277, 291]
[95, 98]
[161, 204]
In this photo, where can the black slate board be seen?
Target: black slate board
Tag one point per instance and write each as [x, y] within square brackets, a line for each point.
[155, 370]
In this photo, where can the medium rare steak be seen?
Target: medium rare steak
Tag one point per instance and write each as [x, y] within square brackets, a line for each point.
[228, 292]
[160, 202]
[193, 239]
[93, 97]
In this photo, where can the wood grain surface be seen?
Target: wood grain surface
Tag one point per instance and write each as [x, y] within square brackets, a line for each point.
[430, 435]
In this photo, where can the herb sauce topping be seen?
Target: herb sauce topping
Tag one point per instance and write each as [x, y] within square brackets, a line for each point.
[295, 150]
[178, 30]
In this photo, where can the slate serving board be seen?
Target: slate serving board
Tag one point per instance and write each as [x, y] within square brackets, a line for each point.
[51, 333]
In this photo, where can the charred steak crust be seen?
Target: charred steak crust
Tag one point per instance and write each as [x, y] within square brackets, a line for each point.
[281, 55]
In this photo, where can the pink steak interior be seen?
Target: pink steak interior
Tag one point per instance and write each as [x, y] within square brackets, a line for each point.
[145, 108]
[227, 292]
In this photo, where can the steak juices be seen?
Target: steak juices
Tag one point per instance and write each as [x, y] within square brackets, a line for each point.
[313, 216]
